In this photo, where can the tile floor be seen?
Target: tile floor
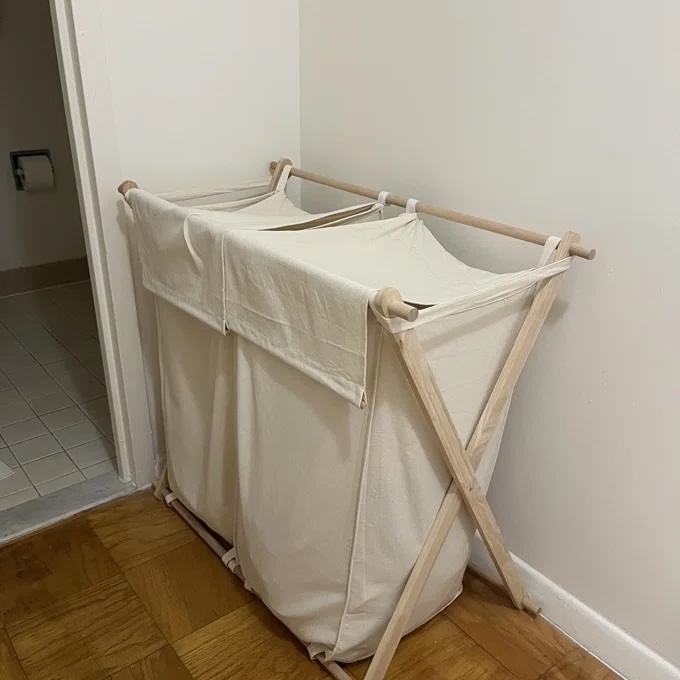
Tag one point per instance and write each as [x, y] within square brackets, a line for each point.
[55, 427]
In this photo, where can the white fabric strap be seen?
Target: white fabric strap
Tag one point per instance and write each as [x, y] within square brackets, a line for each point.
[412, 205]
[480, 298]
[189, 194]
[548, 249]
[172, 496]
[382, 198]
[283, 179]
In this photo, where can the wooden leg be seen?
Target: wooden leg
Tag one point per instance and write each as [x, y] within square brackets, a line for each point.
[336, 670]
[426, 390]
[463, 466]
[162, 483]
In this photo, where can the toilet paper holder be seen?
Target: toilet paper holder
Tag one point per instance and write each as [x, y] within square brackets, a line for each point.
[17, 172]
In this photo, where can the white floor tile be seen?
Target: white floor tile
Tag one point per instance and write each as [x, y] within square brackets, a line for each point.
[5, 384]
[22, 431]
[84, 348]
[58, 420]
[18, 498]
[17, 321]
[99, 469]
[93, 452]
[104, 424]
[38, 389]
[22, 361]
[39, 374]
[74, 435]
[61, 483]
[51, 402]
[47, 353]
[36, 448]
[47, 469]
[14, 414]
[86, 391]
[96, 408]
[74, 378]
[17, 482]
[63, 367]
[26, 376]
[9, 397]
[7, 457]
[31, 336]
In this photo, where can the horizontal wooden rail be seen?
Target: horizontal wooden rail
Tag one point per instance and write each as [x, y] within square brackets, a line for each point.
[437, 211]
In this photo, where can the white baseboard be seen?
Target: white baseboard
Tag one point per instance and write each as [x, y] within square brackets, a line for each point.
[613, 646]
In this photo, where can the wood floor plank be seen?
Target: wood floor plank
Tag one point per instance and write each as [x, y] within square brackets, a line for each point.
[139, 528]
[161, 665]
[248, 644]
[88, 636]
[525, 646]
[186, 589]
[439, 650]
[10, 668]
[50, 566]
[579, 665]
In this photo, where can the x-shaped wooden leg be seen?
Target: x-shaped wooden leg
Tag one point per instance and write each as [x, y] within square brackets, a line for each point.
[462, 463]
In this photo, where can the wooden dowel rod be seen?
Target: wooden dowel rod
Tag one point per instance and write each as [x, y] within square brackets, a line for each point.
[204, 534]
[437, 211]
[337, 671]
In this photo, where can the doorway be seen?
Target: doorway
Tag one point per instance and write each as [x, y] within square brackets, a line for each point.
[56, 436]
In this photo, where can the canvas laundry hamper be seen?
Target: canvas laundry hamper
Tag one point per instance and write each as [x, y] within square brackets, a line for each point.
[334, 475]
[195, 357]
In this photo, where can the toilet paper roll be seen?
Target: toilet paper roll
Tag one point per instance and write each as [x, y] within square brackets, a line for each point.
[37, 172]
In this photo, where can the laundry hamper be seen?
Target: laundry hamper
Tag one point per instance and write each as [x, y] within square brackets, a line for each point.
[323, 470]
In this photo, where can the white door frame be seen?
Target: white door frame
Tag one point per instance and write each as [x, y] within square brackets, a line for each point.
[81, 52]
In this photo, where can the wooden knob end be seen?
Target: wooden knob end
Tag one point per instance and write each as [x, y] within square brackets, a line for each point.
[126, 186]
[390, 304]
[530, 607]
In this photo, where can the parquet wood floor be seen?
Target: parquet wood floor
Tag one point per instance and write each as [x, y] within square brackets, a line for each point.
[127, 592]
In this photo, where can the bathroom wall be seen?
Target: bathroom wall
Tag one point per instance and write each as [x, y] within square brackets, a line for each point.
[551, 116]
[35, 228]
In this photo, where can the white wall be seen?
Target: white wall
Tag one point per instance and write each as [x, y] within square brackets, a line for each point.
[551, 116]
[34, 227]
[172, 95]
[202, 92]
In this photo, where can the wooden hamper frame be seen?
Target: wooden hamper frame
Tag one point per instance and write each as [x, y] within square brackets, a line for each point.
[462, 461]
